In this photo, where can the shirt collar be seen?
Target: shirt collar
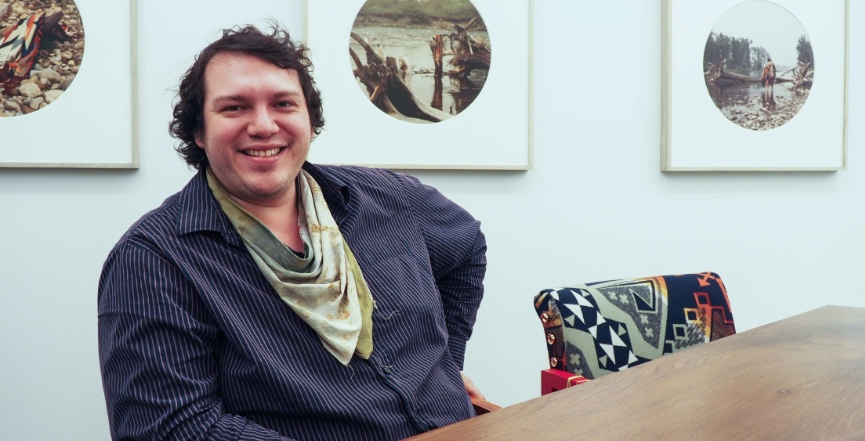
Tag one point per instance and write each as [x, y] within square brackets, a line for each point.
[199, 211]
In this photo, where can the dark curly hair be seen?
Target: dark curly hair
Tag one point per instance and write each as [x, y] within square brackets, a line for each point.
[276, 48]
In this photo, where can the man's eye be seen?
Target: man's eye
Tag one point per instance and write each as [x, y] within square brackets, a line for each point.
[233, 108]
[285, 104]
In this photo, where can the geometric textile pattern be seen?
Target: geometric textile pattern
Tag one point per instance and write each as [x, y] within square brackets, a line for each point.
[19, 45]
[599, 328]
[21, 41]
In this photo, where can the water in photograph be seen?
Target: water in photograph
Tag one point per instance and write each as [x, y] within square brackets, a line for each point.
[413, 43]
[750, 105]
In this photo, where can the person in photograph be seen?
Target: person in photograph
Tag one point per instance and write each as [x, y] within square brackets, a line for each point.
[768, 99]
[275, 299]
[768, 75]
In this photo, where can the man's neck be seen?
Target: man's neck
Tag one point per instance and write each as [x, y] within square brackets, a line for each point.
[280, 218]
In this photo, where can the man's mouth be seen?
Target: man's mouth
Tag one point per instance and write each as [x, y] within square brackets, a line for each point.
[263, 153]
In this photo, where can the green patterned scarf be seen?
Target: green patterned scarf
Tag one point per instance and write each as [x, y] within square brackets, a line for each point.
[325, 288]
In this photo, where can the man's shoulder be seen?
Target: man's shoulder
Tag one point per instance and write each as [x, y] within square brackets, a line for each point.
[157, 223]
[353, 172]
[357, 176]
[186, 211]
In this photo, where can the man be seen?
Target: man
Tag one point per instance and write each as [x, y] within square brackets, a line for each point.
[768, 75]
[275, 299]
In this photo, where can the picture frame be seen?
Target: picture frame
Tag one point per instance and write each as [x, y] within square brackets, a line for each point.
[701, 133]
[92, 124]
[493, 133]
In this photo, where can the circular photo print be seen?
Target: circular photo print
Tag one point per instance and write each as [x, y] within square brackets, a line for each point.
[41, 48]
[758, 65]
[420, 61]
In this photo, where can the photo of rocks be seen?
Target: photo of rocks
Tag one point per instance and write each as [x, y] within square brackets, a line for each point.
[41, 50]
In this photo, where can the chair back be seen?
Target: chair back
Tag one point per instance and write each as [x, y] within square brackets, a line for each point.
[599, 328]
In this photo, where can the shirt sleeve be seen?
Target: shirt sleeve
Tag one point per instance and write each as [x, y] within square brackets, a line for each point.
[457, 250]
[156, 351]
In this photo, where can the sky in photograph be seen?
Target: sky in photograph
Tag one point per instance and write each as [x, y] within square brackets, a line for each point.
[765, 24]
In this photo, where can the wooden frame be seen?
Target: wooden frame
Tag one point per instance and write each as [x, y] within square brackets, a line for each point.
[92, 124]
[493, 133]
[696, 136]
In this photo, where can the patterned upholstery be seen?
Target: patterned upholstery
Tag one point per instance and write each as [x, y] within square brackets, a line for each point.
[604, 327]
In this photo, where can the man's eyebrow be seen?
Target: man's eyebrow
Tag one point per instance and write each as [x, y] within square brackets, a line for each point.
[235, 98]
[288, 94]
[227, 99]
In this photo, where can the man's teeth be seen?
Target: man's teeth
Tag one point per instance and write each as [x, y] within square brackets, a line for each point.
[262, 153]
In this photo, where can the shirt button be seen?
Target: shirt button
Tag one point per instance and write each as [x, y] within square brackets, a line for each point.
[386, 370]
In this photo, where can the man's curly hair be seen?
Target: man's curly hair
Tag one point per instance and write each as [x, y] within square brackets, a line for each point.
[276, 48]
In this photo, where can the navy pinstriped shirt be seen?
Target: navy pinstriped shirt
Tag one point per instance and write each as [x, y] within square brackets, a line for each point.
[195, 344]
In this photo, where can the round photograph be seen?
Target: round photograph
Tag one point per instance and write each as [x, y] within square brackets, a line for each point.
[41, 48]
[420, 61]
[758, 65]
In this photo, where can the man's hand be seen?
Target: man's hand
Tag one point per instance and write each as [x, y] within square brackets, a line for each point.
[471, 389]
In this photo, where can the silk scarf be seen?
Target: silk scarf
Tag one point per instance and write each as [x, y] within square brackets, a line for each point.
[325, 287]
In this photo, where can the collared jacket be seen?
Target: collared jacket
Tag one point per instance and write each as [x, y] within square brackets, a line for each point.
[194, 343]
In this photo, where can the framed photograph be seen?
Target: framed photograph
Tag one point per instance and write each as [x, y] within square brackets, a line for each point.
[67, 84]
[410, 84]
[754, 85]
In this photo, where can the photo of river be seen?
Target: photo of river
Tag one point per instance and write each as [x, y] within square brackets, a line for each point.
[420, 61]
[413, 43]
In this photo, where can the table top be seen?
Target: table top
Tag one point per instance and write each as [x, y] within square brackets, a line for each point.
[799, 378]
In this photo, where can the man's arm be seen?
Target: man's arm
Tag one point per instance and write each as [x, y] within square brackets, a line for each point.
[462, 289]
[457, 250]
[156, 350]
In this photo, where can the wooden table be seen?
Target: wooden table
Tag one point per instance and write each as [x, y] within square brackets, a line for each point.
[801, 378]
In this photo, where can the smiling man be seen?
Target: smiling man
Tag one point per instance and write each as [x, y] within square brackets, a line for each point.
[275, 299]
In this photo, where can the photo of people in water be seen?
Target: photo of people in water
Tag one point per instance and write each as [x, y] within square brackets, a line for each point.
[758, 65]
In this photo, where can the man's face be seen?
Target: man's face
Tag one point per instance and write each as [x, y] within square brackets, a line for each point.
[256, 130]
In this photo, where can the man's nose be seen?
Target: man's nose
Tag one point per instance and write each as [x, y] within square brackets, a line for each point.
[262, 124]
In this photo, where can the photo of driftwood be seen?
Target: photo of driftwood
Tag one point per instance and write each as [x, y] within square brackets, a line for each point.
[758, 65]
[41, 49]
[420, 61]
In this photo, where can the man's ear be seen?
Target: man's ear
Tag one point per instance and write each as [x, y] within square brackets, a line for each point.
[196, 135]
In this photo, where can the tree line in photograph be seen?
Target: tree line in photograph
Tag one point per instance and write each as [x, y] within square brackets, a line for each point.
[738, 54]
[806, 54]
[734, 52]
[421, 11]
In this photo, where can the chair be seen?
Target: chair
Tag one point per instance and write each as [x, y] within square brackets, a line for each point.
[483, 406]
[599, 328]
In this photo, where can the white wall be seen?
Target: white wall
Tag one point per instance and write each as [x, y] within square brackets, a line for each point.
[594, 207]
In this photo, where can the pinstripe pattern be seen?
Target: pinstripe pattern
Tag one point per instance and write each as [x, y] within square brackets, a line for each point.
[195, 344]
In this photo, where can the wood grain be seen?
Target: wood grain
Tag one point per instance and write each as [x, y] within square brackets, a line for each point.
[799, 378]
